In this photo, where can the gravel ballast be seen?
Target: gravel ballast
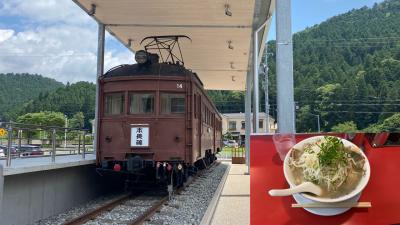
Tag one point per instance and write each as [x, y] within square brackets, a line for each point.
[76, 211]
[189, 207]
[186, 208]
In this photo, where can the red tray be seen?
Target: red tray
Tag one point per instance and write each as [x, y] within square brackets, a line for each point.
[266, 172]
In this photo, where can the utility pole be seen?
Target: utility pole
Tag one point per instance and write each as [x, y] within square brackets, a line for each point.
[318, 122]
[266, 96]
[266, 82]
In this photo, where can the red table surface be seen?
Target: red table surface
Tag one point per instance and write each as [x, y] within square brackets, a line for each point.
[266, 172]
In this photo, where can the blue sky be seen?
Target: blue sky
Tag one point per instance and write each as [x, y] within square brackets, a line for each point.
[37, 37]
[306, 13]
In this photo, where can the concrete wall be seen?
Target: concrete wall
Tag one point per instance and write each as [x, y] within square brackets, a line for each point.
[29, 197]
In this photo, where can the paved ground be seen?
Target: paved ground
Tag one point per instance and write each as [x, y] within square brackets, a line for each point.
[26, 165]
[234, 203]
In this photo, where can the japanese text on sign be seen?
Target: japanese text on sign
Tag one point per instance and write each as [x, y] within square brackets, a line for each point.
[139, 137]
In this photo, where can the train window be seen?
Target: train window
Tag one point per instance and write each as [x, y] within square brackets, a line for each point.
[172, 103]
[141, 103]
[114, 103]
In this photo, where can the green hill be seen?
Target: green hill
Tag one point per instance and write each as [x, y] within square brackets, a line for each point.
[348, 68]
[70, 99]
[15, 89]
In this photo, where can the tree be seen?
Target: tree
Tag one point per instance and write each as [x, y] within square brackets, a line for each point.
[306, 121]
[77, 120]
[44, 118]
[346, 127]
[392, 123]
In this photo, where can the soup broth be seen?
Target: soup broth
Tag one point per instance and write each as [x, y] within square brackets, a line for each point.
[336, 178]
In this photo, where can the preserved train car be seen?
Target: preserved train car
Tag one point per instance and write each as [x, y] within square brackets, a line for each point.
[155, 120]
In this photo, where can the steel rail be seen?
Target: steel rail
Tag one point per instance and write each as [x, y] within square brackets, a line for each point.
[95, 212]
[119, 200]
[159, 204]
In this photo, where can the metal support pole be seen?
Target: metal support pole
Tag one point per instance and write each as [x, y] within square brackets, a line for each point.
[19, 139]
[255, 84]
[84, 145]
[53, 149]
[319, 125]
[9, 145]
[248, 119]
[100, 68]
[79, 143]
[65, 132]
[284, 67]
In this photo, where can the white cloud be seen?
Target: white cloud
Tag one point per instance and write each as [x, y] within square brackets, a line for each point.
[45, 11]
[62, 44]
[5, 34]
[64, 52]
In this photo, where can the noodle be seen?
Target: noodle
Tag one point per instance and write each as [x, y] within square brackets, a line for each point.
[327, 163]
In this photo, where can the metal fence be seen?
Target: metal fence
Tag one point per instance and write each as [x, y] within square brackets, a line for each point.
[29, 140]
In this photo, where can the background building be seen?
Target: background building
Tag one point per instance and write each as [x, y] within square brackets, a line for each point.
[234, 123]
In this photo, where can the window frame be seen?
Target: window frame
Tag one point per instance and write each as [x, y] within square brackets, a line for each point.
[229, 125]
[172, 113]
[242, 125]
[141, 92]
[123, 112]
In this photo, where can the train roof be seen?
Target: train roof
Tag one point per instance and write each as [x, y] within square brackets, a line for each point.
[153, 69]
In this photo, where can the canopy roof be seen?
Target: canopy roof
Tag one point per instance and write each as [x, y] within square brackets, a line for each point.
[221, 31]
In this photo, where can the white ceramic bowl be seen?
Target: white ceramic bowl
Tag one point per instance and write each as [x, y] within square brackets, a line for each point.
[361, 185]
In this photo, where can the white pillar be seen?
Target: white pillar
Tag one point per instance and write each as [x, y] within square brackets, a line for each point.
[284, 67]
[247, 103]
[100, 70]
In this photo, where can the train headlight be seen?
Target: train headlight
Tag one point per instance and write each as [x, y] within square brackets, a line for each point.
[141, 57]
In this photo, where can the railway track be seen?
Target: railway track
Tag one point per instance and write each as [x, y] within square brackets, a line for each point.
[129, 209]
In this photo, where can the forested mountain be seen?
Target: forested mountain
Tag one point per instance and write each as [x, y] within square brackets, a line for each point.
[348, 68]
[16, 89]
[69, 100]
[345, 69]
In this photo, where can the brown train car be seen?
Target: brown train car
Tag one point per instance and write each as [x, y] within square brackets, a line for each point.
[155, 119]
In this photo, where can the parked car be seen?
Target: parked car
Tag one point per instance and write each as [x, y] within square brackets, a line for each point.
[232, 143]
[3, 149]
[30, 150]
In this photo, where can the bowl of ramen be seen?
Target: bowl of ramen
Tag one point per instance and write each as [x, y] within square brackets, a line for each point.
[338, 166]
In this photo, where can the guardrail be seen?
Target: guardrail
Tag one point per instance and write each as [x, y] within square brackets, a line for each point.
[30, 140]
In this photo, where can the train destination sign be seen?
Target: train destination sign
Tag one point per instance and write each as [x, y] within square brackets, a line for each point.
[140, 136]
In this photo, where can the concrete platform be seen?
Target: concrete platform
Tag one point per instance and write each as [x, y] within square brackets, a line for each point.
[35, 164]
[32, 189]
[233, 207]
